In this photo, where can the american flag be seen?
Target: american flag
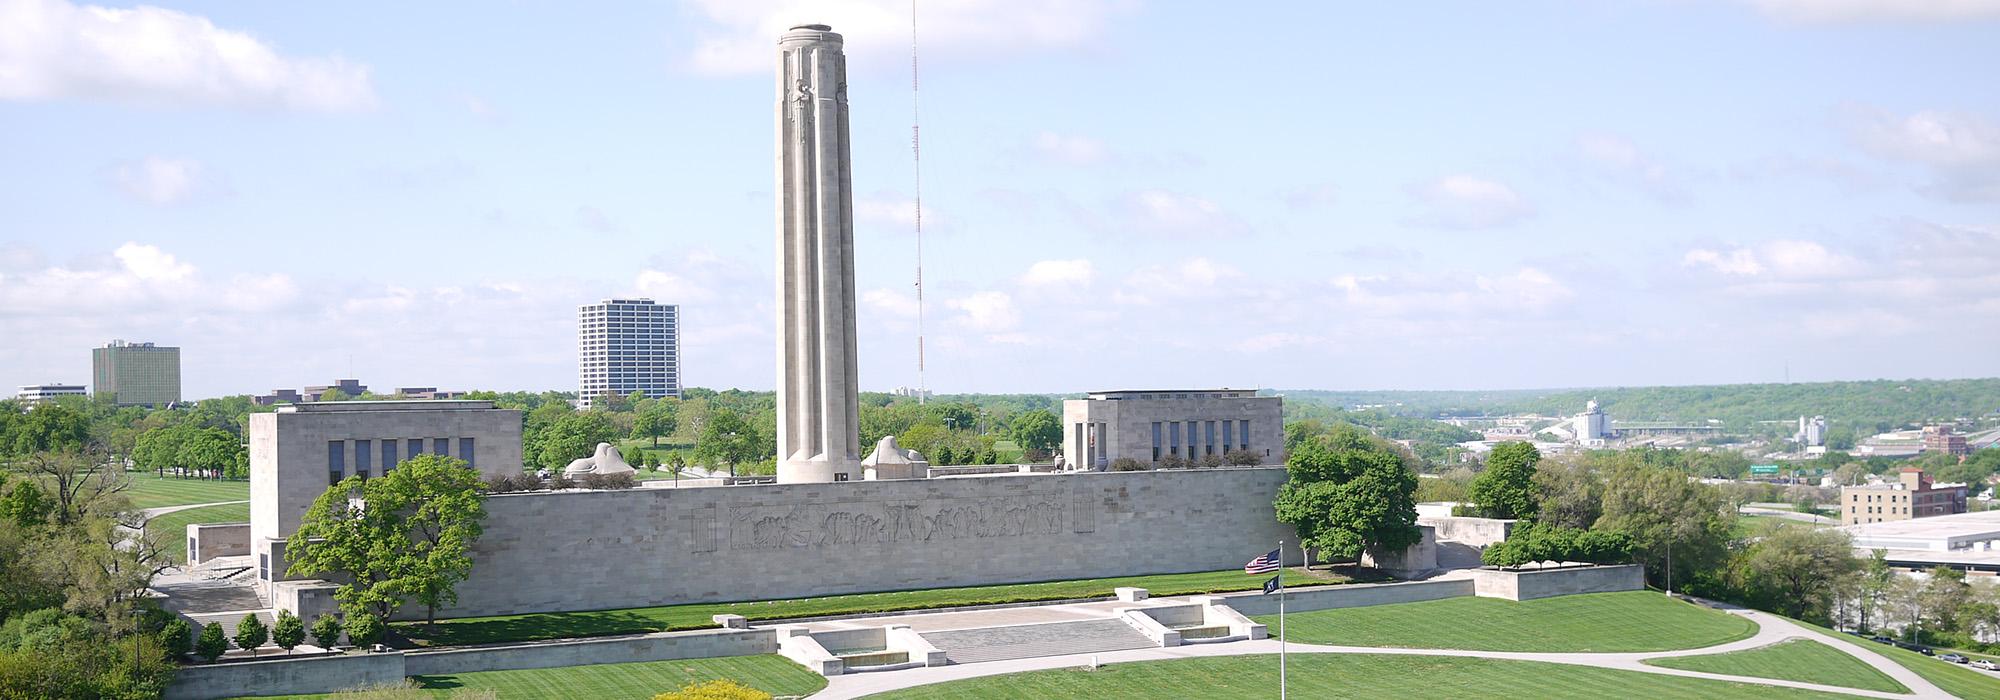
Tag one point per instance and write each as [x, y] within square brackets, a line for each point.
[1264, 564]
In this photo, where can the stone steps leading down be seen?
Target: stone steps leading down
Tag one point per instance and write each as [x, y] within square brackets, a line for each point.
[1029, 641]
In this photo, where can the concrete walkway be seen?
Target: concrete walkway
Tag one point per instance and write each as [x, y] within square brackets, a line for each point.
[1770, 630]
[151, 513]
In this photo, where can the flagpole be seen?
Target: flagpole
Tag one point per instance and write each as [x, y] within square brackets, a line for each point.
[1281, 620]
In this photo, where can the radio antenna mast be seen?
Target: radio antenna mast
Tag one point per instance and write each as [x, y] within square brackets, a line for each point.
[917, 169]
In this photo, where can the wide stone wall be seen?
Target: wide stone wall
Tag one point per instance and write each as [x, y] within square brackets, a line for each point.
[1348, 596]
[326, 674]
[650, 647]
[1529, 585]
[662, 546]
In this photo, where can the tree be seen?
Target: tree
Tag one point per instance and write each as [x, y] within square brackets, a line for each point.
[251, 633]
[655, 420]
[1037, 430]
[956, 416]
[727, 439]
[1569, 494]
[288, 631]
[176, 638]
[1875, 578]
[574, 436]
[1792, 570]
[334, 395]
[159, 449]
[364, 628]
[1673, 521]
[210, 448]
[212, 643]
[1349, 493]
[326, 631]
[410, 539]
[1507, 488]
[1851, 474]
[943, 456]
[1944, 596]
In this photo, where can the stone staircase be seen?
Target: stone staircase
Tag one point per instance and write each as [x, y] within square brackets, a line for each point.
[1028, 641]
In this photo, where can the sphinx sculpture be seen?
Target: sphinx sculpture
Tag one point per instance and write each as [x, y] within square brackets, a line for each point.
[606, 461]
[891, 461]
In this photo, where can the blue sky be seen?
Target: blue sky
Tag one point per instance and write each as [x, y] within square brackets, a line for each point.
[1457, 195]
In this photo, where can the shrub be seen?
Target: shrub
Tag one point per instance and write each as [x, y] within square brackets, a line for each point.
[609, 481]
[1173, 462]
[364, 629]
[1210, 461]
[561, 481]
[1465, 510]
[212, 644]
[525, 482]
[288, 631]
[944, 457]
[1244, 458]
[1128, 464]
[326, 631]
[722, 689]
[177, 639]
[499, 483]
[1532, 543]
[989, 456]
[251, 633]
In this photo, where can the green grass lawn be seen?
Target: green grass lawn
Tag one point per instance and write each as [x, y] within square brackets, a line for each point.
[171, 529]
[1754, 525]
[1370, 676]
[149, 491]
[634, 681]
[1951, 678]
[1791, 660]
[1607, 622]
[516, 628]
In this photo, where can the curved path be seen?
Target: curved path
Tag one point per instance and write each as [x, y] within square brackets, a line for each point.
[1770, 630]
[151, 513]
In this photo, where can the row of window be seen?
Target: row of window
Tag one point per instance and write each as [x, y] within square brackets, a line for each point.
[1167, 435]
[364, 454]
[1878, 509]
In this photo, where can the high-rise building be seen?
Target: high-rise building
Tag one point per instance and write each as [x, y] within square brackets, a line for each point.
[628, 345]
[136, 374]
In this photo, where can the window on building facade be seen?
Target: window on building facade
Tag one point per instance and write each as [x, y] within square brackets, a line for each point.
[389, 460]
[1208, 441]
[416, 447]
[1243, 434]
[364, 455]
[1228, 435]
[1174, 430]
[465, 452]
[1156, 441]
[441, 446]
[336, 461]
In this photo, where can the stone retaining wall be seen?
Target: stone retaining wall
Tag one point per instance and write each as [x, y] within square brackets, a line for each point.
[324, 674]
[594, 550]
[661, 646]
[1529, 585]
[1348, 596]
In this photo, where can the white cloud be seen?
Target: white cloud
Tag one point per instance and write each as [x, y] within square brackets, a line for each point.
[1070, 149]
[51, 49]
[1619, 160]
[1783, 260]
[1852, 11]
[896, 213]
[150, 264]
[1059, 273]
[1961, 151]
[1467, 202]
[1160, 211]
[741, 40]
[890, 302]
[159, 181]
[1736, 262]
[991, 311]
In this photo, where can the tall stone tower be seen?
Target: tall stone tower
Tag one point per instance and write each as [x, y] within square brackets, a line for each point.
[819, 413]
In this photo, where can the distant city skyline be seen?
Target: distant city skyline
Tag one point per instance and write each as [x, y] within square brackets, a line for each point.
[1118, 193]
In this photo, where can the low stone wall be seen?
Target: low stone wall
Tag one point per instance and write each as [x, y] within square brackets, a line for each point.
[208, 541]
[1529, 585]
[1349, 596]
[660, 646]
[325, 674]
[1477, 532]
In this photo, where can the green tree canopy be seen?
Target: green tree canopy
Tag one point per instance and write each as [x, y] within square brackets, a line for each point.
[573, 436]
[1507, 488]
[1037, 430]
[410, 540]
[1349, 493]
[1674, 521]
[655, 419]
